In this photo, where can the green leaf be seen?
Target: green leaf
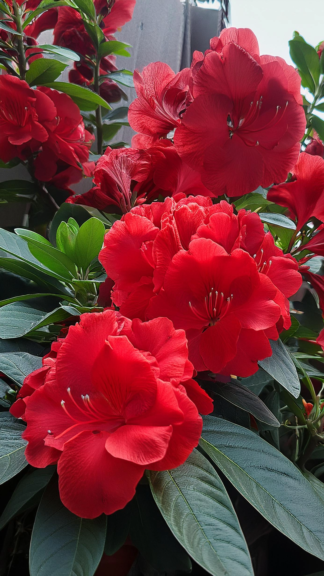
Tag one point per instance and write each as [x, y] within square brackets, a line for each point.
[116, 114]
[152, 537]
[277, 219]
[8, 29]
[315, 483]
[89, 242]
[244, 398]
[257, 199]
[31, 297]
[66, 236]
[318, 124]
[11, 190]
[63, 544]
[307, 61]
[82, 96]
[43, 6]
[268, 480]
[282, 368]
[65, 212]
[118, 525]
[43, 70]
[17, 365]
[110, 130]
[17, 247]
[53, 259]
[65, 53]
[123, 78]
[197, 509]
[25, 491]
[31, 236]
[286, 334]
[113, 47]
[320, 107]
[96, 34]
[12, 447]
[257, 382]
[29, 271]
[87, 7]
[20, 318]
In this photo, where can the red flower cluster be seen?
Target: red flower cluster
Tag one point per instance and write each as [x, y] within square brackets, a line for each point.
[125, 177]
[43, 122]
[215, 274]
[112, 400]
[237, 115]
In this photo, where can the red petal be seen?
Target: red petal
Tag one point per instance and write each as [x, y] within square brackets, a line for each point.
[142, 445]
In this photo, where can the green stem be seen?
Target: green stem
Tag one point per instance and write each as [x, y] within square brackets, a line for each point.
[98, 111]
[20, 41]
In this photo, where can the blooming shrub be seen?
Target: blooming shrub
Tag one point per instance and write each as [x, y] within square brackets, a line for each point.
[168, 324]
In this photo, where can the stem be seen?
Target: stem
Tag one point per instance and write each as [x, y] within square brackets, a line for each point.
[98, 111]
[292, 240]
[20, 41]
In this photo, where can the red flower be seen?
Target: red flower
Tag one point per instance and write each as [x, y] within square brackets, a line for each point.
[23, 112]
[162, 97]
[35, 380]
[316, 243]
[45, 21]
[245, 123]
[164, 255]
[308, 407]
[120, 13]
[316, 146]
[125, 177]
[304, 194]
[67, 142]
[69, 32]
[113, 406]
[317, 282]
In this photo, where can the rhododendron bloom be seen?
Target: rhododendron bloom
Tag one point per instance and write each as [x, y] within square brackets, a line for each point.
[304, 194]
[215, 274]
[114, 404]
[244, 125]
[22, 116]
[316, 146]
[162, 96]
[126, 177]
[67, 141]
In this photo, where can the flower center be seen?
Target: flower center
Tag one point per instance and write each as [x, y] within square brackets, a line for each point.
[246, 125]
[214, 307]
[262, 265]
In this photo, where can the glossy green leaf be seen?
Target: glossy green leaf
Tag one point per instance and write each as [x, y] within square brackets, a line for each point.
[152, 537]
[65, 212]
[282, 368]
[13, 190]
[244, 398]
[20, 318]
[315, 483]
[43, 70]
[12, 447]
[63, 544]
[29, 271]
[121, 78]
[66, 236]
[3, 26]
[89, 242]
[43, 6]
[257, 382]
[17, 365]
[268, 480]
[257, 199]
[31, 236]
[80, 94]
[277, 219]
[318, 124]
[307, 61]
[25, 491]
[110, 130]
[197, 509]
[87, 7]
[96, 34]
[116, 114]
[53, 259]
[112, 47]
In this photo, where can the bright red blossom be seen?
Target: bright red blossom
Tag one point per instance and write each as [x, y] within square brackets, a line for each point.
[162, 96]
[244, 126]
[114, 404]
[169, 258]
[304, 194]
